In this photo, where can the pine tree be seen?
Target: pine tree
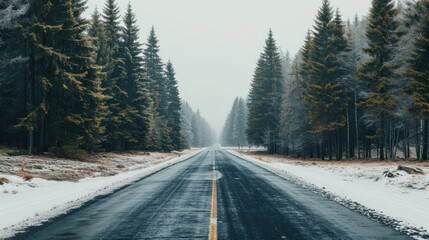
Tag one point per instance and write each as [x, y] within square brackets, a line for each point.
[139, 105]
[306, 55]
[419, 73]
[174, 108]
[98, 36]
[265, 98]
[129, 84]
[114, 69]
[84, 120]
[64, 82]
[325, 93]
[14, 18]
[382, 37]
[160, 136]
[42, 60]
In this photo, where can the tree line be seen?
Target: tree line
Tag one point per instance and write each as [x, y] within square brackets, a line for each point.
[197, 131]
[357, 89]
[234, 130]
[70, 84]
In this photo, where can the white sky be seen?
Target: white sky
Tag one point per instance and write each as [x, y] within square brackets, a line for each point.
[214, 45]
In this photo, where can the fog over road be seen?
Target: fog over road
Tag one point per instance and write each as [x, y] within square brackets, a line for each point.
[176, 203]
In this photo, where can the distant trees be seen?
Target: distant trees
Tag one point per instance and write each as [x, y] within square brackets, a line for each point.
[195, 129]
[354, 90]
[68, 84]
[234, 130]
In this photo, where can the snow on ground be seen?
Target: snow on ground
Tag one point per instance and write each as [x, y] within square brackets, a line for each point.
[404, 199]
[27, 203]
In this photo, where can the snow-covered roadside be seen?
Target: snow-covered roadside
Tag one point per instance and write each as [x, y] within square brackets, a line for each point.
[33, 203]
[407, 208]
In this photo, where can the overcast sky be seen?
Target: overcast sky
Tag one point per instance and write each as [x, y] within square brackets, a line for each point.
[214, 45]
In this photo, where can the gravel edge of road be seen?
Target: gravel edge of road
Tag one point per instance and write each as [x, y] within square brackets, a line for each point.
[354, 206]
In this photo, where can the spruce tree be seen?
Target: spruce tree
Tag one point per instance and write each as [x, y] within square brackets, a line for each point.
[382, 37]
[325, 93]
[114, 73]
[14, 20]
[265, 98]
[98, 36]
[160, 135]
[139, 107]
[419, 74]
[174, 108]
[84, 120]
[64, 82]
[128, 84]
[42, 56]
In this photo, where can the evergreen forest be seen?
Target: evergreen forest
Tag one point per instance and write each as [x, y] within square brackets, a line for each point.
[70, 84]
[358, 88]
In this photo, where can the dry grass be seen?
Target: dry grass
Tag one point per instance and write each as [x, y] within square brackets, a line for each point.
[67, 176]
[51, 167]
[3, 181]
[27, 176]
[346, 162]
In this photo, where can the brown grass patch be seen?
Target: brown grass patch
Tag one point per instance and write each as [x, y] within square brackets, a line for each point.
[120, 166]
[66, 176]
[341, 163]
[27, 176]
[3, 180]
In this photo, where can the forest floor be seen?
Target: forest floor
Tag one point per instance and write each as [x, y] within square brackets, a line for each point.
[401, 200]
[36, 188]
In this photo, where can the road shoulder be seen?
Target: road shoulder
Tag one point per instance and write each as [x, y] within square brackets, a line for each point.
[40, 200]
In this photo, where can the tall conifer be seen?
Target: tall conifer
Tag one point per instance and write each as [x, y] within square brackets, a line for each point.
[114, 73]
[160, 134]
[419, 73]
[381, 32]
[174, 107]
[265, 98]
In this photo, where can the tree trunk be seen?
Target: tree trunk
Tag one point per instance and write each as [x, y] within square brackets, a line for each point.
[425, 139]
[339, 146]
[418, 140]
[357, 125]
[382, 137]
[330, 145]
[32, 98]
[349, 149]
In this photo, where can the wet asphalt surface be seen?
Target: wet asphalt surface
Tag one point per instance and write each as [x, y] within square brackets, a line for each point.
[175, 203]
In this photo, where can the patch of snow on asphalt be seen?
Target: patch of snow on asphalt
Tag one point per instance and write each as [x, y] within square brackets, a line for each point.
[28, 203]
[404, 198]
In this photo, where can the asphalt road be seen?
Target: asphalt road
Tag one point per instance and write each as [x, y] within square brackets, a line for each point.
[176, 203]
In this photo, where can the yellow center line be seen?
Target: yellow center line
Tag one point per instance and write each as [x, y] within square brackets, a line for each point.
[213, 214]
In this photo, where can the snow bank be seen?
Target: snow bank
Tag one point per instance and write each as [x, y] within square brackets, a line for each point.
[402, 198]
[24, 204]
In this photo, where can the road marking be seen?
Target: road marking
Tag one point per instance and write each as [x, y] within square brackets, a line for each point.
[213, 214]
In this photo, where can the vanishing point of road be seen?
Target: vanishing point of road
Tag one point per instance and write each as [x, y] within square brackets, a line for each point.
[213, 195]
